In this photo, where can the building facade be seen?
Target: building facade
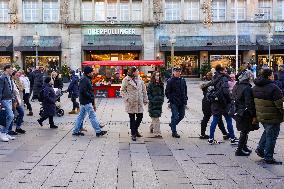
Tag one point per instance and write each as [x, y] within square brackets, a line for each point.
[72, 31]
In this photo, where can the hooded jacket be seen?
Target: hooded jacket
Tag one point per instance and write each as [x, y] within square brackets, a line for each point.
[176, 91]
[268, 100]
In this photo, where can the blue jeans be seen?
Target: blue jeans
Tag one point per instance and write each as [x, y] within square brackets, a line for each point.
[268, 139]
[7, 104]
[215, 121]
[87, 109]
[20, 117]
[178, 112]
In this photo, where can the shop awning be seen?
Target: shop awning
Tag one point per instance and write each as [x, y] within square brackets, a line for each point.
[200, 43]
[112, 42]
[276, 43]
[6, 43]
[46, 43]
[124, 63]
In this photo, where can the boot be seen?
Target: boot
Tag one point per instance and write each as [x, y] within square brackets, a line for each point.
[73, 112]
[241, 152]
[175, 135]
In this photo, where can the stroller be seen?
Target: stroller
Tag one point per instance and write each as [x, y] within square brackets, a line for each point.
[59, 110]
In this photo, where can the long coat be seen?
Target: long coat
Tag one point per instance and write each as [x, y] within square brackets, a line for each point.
[134, 95]
[49, 99]
[156, 99]
[38, 82]
[73, 88]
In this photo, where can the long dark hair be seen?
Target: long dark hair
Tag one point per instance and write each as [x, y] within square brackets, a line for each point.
[153, 79]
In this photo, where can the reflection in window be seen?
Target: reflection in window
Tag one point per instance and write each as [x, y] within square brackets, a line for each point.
[219, 10]
[100, 10]
[172, 10]
[112, 8]
[265, 7]
[50, 11]
[191, 9]
[4, 11]
[124, 10]
[31, 10]
[136, 10]
[241, 9]
[87, 7]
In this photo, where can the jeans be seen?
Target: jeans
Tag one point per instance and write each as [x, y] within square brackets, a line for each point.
[7, 104]
[215, 121]
[75, 103]
[135, 122]
[268, 140]
[27, 101]
[19, 119]
[206, 119]
[87, 109]
[243, 140]
[178, 113]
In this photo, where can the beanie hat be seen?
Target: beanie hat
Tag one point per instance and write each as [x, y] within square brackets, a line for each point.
[47, 79]
[88, 70]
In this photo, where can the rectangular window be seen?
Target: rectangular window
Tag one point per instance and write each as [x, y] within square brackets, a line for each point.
[191, 9]
[87, 8]
[136, 10]
[265, 8]
[241, 9]
[50, 11]
[112, 9]
[219, 10]
[172, 10]
[4, 11]
[124, 10]
[31, 11]
[280, 9]
[100, 14]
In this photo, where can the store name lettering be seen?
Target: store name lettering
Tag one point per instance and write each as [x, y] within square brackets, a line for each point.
[111, 31]
[279, 28]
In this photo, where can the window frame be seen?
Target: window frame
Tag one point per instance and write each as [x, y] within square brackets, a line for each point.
[33, 10]
[174, 12]
[189, 10]
[218, 9]
[87, 12]
[4, 11]
[52, 11]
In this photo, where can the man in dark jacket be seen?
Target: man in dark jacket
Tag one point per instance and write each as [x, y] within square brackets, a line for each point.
[37, 82]
[6, 98]
[268, 100]
[221, 103]
[281, 74]
[87, 101]
[48, 104]
[176, 92]
[73, 90]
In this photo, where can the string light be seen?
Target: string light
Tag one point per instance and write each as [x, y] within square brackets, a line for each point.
[13, 12]
[64, 9]
[207, 10]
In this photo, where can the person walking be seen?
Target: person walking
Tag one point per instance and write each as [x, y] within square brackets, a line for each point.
[6, 97]
[48, 104]
[57, 81]
[73, 90]
[268, 100]
[176, 93]
[134, 94]
[87, 105]
[37, 82]
[155, 92]
[221, 104]
[206, 110]
[245, 108]
[27, 91]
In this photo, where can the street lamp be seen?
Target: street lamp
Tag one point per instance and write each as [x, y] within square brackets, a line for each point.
[237, 38]
[172, 41]
[36, 39]
[269, 40]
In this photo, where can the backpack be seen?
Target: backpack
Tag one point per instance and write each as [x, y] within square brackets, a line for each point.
[41, 95]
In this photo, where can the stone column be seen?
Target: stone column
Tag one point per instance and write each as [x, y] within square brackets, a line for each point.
[182, 11]
[74, 49]
[40, 11]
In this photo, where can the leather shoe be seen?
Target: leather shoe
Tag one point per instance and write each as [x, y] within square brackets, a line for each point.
[273, 162]
[175, 135]
[102, 133]
[133, 138]
[241, 153]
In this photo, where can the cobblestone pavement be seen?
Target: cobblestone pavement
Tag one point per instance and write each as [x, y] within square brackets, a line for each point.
[45, 158]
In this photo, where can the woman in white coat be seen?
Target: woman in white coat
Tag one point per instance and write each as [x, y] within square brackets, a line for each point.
[134, 94]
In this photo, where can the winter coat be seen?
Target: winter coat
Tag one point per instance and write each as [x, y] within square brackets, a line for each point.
[156, 96]
[206, 104]
[281, 76]
[38, 82]
[268, 100]
[6, 87]
[57, 83]
[86, 91]
[49, 99]
[220, 83]
[134, 94]
[26, 82]
[73, 87]
[176, 91]
[244, 102]
[18, 91]
[30, 75]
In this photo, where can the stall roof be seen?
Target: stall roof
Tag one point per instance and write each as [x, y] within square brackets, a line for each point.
[124, 63]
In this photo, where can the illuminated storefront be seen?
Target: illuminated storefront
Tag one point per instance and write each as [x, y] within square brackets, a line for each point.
[51, 62]
[228, 61]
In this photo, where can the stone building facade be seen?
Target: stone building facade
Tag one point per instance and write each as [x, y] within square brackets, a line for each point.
[73, 31]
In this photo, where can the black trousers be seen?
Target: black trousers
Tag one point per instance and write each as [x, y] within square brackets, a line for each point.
[205, 121]
[135, 121]
[26, 99]
[75, 103]
[243, 140]
[51, 122]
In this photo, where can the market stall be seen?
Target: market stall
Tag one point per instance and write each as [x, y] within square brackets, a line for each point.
[109, 74]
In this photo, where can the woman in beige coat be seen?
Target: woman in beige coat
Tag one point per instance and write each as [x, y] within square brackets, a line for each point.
[134, 93]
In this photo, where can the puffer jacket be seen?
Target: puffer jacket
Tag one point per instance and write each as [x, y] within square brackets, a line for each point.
[156, 99]
[268, 100]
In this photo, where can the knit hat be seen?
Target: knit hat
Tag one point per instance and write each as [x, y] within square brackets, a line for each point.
[47, 79]
[247, 75]
[88, 70]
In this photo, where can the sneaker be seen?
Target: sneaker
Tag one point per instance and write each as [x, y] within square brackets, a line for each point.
[12, 133]
[273, 162]
[226, 137]
[246, 149]
[241, 153]
[3, 137]
[53, 126]
[175, 135]
[204, 137]
[39, 122]
[10, 137]
[259, 153]
[78, 134]
[234, 141]
[102, 133]
[212, 141]
[21, 131]
[133, 138]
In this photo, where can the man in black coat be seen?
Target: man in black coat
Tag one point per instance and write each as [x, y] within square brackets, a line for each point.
[176, 92]
[87, 101]
[73, 90]
[37, 82]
